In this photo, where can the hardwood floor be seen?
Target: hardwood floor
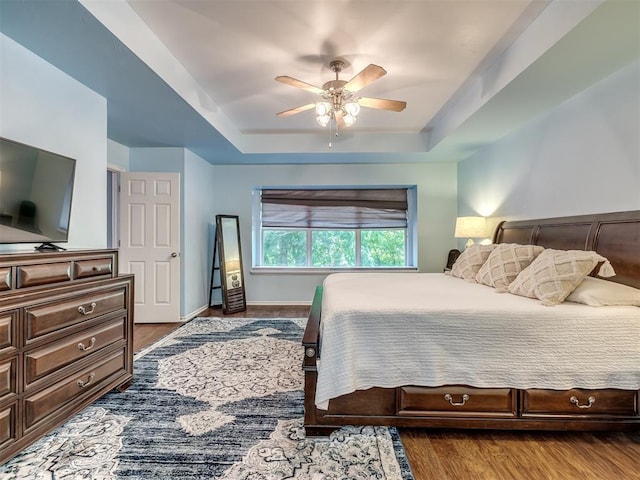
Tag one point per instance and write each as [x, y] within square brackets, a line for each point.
[495, 455]
[483, 455]
[146, 333]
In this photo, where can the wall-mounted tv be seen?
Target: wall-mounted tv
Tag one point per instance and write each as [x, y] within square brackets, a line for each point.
[36, 190]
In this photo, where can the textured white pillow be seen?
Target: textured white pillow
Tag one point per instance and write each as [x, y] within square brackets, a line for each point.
[554, 274]
[504, 264]
[599, 293]
[469, 262]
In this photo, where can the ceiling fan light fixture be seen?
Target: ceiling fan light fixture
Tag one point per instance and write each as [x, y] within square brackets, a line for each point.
[349, 119]
[323, 108]
[352, 108]
[339, 102]
[323, 120]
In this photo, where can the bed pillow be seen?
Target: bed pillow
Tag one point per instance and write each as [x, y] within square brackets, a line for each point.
[504, 264]
[554, 274]
[469, 262]
[599, 293]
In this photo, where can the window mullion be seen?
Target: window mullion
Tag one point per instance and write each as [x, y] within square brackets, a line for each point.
[309, 248]
[358, 249]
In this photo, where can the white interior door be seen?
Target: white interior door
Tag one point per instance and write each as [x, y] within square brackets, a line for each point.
[150, 243]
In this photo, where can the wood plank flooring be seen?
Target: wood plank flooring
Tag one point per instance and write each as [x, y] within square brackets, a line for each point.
[482, 455]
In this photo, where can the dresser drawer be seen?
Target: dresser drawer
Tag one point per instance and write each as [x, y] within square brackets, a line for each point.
[5, 278]
[8, 331]
[8, 424]
[426, 401]
[73, 388]
[92, 268]
[47, 318]
[8, 374]
[51, 357]
[31, 275]
[579, 402]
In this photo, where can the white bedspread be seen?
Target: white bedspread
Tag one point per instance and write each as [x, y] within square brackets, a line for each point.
[393, 329]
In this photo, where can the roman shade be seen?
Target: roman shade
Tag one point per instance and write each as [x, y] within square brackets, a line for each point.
[335, 208]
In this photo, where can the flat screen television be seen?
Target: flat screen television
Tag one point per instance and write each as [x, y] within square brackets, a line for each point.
[36, 190]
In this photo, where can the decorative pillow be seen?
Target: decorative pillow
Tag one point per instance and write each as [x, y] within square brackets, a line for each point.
[470, 261]
[599, 293]
[504, 264]
[554, 274]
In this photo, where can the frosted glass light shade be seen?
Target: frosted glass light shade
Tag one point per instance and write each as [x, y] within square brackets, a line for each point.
[352, 108]
[323, 120]
[323, 108]
[349, 119]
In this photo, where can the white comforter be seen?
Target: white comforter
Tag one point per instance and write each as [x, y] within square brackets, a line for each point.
[393, 329]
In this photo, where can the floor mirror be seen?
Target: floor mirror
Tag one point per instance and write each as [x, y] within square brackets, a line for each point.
[228, 250]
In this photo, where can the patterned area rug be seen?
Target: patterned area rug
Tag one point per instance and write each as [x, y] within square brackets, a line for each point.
[217, 399]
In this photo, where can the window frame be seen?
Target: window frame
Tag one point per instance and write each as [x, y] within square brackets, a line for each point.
[411, 250]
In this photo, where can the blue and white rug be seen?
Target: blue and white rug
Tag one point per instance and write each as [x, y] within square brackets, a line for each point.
[219, 398]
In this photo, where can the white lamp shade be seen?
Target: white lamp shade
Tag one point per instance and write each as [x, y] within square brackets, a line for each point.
[471, 227]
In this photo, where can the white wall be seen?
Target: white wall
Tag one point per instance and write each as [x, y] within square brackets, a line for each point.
[437, 204]
[43, 107]
[583, 157]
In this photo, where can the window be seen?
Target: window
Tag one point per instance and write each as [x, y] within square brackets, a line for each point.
[329, 228]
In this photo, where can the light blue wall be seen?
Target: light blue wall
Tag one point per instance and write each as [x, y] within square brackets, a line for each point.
[41, 106]
[583, 157]
[437, 203]
[164, 160]
[198, 217]
[117, 155]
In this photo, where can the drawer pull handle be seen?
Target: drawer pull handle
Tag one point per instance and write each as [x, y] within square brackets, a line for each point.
[576, 402]
[449, 399]
[84, 348]
[82, 384]
[82, 310]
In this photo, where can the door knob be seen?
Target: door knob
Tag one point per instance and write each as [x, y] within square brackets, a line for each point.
[175, 254]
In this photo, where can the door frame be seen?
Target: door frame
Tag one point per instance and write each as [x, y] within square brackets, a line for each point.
[113, 205]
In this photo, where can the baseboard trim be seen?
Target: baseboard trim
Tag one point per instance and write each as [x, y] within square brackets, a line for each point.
[280, 303]
[194, 314]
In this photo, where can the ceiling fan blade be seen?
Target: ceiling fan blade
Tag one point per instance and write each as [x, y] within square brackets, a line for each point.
[340, 125]
[382, 103]
[295, 110]
[370, 73]
[299, 84]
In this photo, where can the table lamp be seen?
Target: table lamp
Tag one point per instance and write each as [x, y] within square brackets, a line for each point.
[470, 227]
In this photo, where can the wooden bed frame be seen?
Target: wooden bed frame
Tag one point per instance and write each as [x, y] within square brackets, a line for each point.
[615, 236]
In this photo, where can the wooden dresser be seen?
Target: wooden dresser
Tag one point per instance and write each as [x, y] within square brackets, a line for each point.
[66, 339]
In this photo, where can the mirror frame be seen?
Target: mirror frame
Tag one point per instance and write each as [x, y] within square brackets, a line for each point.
[231, 271]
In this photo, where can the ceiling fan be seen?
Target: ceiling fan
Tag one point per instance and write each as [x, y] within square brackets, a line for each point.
[338, 97]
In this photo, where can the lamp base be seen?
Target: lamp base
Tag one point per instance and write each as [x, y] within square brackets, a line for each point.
[469, 243]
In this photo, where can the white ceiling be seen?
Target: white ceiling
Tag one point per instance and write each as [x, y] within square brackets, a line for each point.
[234, 49]
[469, 70]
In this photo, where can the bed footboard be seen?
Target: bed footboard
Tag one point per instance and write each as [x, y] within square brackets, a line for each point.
[311, 344]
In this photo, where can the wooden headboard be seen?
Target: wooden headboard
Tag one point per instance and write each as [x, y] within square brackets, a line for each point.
[615, 236]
